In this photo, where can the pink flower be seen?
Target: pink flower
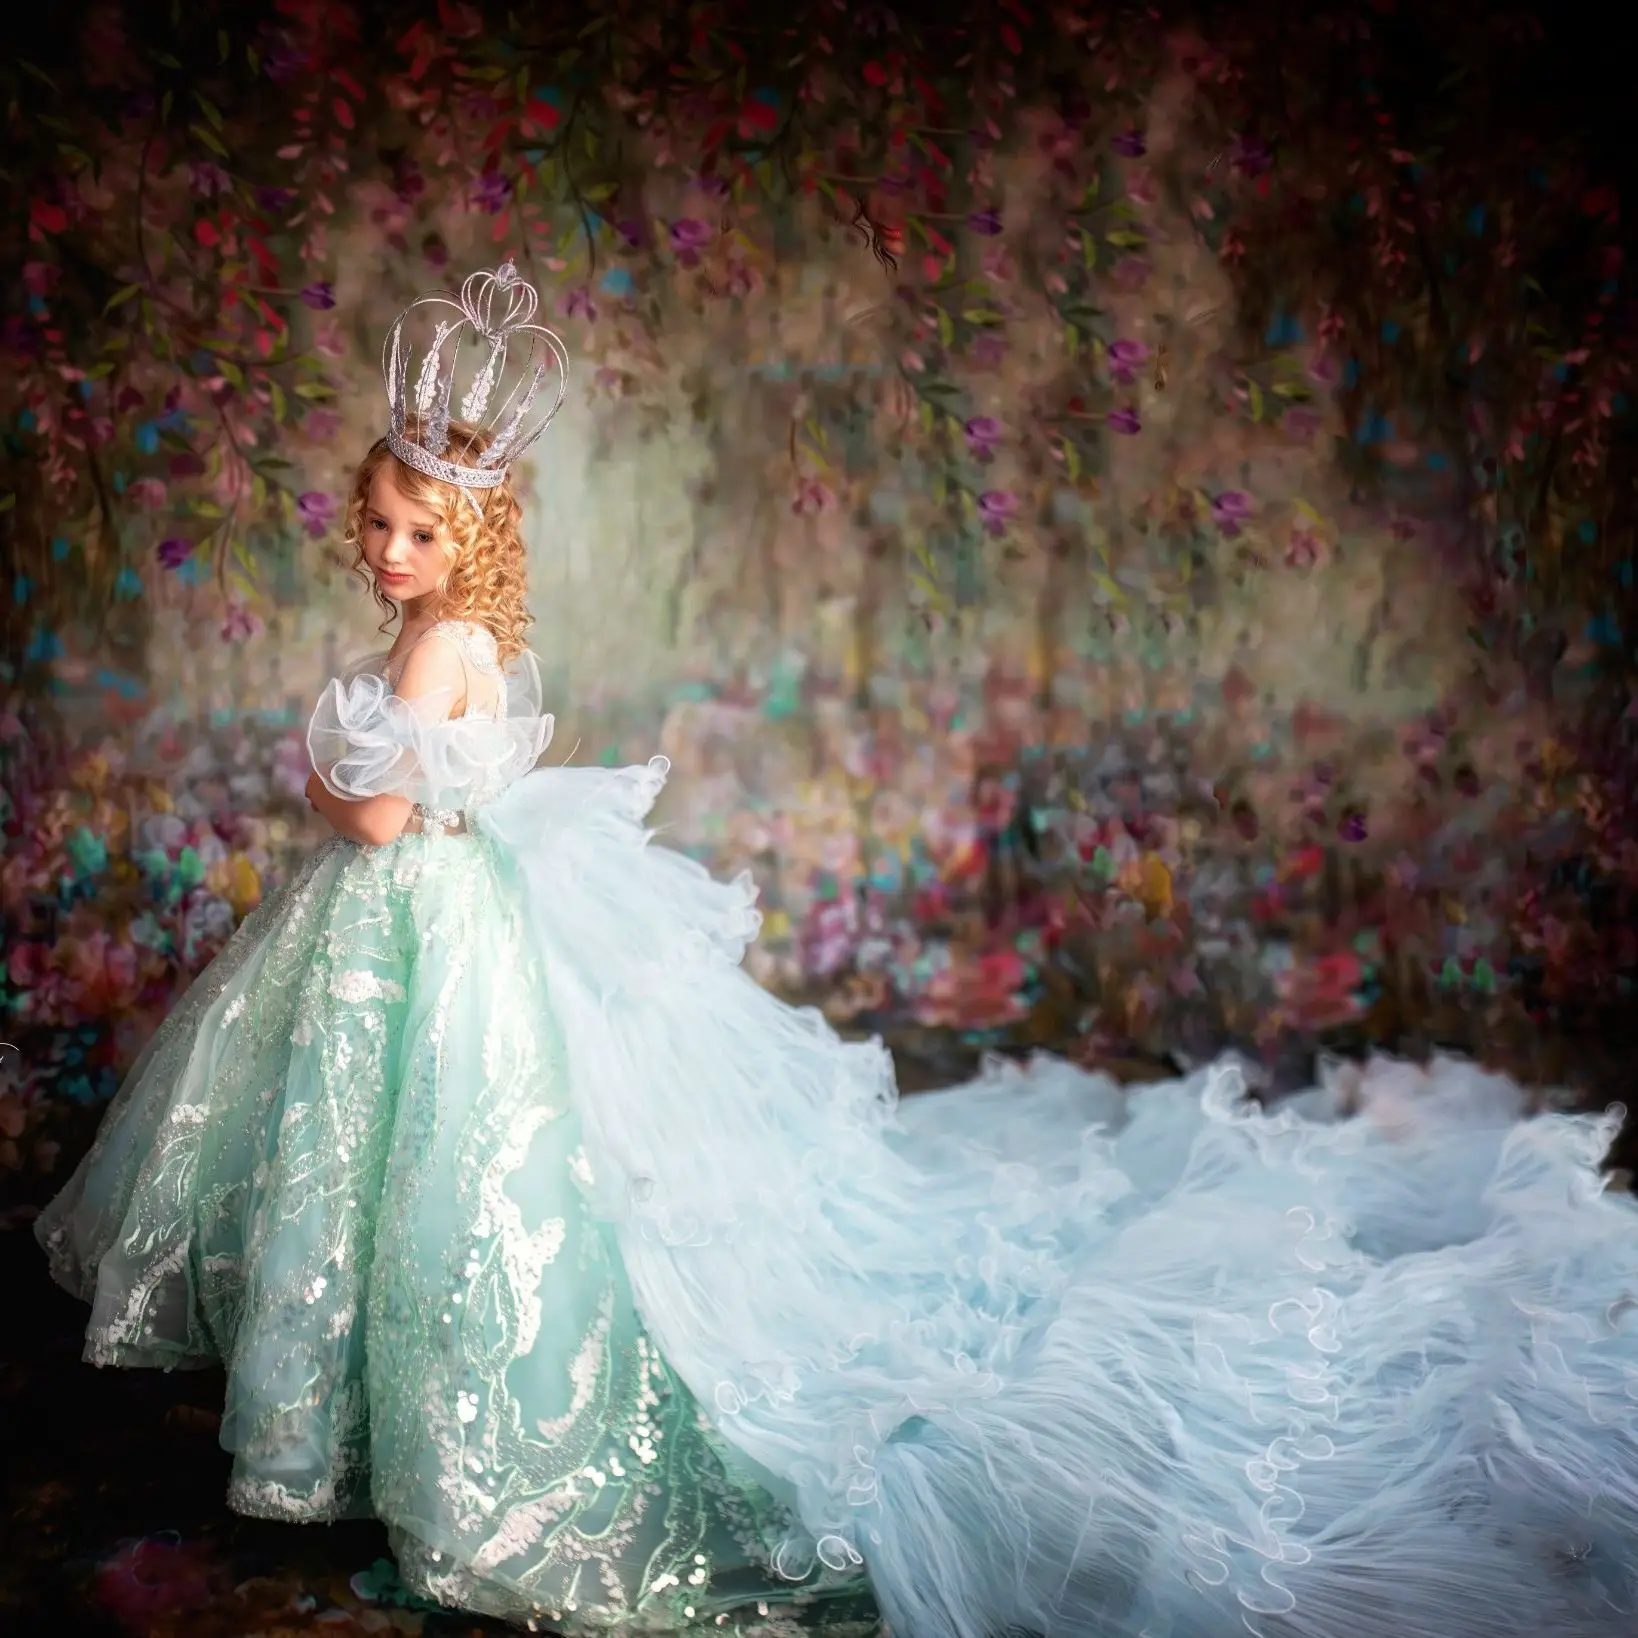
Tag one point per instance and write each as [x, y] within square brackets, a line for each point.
[1302, 550]
[153, 1578]
[688, 237]
[812, 497]
[239, 623]
[321, 424]
[147, 492]
[40, 278]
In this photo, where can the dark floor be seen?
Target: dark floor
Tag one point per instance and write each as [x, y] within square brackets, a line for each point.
[112, 1486]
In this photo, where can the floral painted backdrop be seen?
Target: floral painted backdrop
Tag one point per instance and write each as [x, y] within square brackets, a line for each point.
[1126, 527]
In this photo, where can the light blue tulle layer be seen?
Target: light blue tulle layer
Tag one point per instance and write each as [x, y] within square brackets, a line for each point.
[1051, 1357]
[631, 1297]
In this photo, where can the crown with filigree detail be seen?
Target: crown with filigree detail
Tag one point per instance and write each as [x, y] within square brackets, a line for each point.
[495, 310]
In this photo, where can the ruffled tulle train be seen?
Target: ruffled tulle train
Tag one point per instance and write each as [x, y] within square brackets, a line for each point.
[556, 1183]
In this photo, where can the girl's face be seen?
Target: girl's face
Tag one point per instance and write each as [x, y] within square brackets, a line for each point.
[405, 543]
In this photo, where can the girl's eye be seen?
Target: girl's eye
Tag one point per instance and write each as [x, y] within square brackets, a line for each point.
[424, 538]
[376, 523]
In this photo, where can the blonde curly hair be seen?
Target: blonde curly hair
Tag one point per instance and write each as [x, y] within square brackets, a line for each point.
[488, 568]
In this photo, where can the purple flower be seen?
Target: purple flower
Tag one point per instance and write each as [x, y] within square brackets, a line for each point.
[987, 222]
[207, 179]
[983, 434]
[321, 424]
[1251, 157]
[1131, 272]
[988, 349]
[320, 296]
[490, 191]
[709, 182]
[317, 511]
[435, 251]
[687, 237]
[1125, 422]
[578, 303]
[1353, 827]
[1231, 509]
[1126, 358]
[1130, 145]
[632, 229]
[283, 61]
[274, 199]
[407, 181]
[996, 507]
[1301, 422]
[173, 553]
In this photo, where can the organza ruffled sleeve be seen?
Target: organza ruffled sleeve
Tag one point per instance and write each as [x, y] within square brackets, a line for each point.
[365, 740]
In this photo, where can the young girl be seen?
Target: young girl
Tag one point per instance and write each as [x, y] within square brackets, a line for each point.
[633, 1301]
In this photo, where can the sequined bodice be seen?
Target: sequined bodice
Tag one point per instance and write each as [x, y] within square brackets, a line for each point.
[478, 649]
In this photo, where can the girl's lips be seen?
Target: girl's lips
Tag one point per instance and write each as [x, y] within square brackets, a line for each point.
[385, 575]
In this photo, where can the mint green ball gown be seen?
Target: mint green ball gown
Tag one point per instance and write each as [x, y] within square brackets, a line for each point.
[633, 1300]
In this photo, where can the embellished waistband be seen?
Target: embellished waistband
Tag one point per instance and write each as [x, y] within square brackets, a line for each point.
[451, 821]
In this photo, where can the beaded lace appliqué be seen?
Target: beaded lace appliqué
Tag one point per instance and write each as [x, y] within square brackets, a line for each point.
[480, 651]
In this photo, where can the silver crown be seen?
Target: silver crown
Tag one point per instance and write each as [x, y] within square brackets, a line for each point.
[497, 310]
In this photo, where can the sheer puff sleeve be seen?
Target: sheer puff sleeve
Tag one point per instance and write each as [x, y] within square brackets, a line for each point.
[365, 740]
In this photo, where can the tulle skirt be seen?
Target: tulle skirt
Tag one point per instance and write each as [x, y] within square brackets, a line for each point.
[632, 1298]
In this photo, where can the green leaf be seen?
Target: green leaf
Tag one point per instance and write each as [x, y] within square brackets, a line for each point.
[1072, 461]
[212, 113]
[1255, 397]
[207, 509]
[281, 405]
[209, 138]
[224, 45]
[39, 74]
[166, 60]
[7, 502]
[124, 294]
[946, 327]
[313, 389]
[231, 373]
[1126, 239]
[166, 103]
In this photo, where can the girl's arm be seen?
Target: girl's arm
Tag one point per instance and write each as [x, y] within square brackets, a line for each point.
[431, 668]
[372, 820]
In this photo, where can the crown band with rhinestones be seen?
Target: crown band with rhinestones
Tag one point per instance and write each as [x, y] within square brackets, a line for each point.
[497, 309]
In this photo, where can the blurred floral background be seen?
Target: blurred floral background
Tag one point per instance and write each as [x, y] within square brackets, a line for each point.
[1121, 517]
[1123, 522]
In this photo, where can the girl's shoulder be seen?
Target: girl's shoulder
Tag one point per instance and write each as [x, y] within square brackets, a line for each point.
[475, 640]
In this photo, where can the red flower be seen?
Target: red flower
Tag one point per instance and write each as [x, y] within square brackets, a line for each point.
[48, 218]
[540, 115]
